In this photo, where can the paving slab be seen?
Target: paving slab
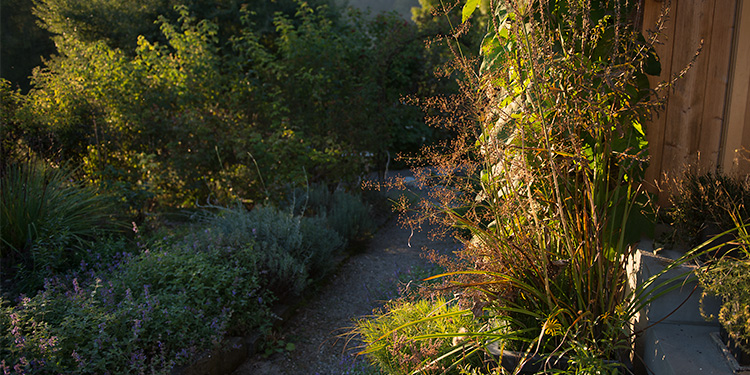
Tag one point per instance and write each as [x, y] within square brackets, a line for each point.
[675, 338]
[680, 349]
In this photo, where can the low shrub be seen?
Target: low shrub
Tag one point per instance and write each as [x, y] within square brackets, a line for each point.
[292, 250]
[422, 336]
[145, 314]
[728, 277]
[350, 217]
[322, 245]
[346, 213]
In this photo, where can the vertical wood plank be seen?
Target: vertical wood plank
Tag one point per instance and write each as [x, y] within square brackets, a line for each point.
[739, 97]
[742, 121]
[744, 157]
[683, 128]
[717, 82]
[656, 127]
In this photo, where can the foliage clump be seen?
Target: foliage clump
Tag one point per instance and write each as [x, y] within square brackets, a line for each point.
[149, 309]
[346, 213]
[543, 182]
[728, 278]
[418, 336]
[707, 204]
[47, 220]
[726, 275]
[294, 250]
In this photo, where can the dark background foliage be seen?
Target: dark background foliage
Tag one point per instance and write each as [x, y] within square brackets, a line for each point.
[166, 105]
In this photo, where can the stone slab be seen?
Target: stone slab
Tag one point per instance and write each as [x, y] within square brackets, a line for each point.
[679, 349]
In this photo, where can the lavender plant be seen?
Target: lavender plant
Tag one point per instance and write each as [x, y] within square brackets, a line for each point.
[292, 250]
[346, 213]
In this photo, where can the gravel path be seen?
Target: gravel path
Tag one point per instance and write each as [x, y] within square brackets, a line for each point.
[318, 330]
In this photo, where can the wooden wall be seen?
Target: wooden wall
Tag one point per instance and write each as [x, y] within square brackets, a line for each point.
[736, 157]
[692, 130]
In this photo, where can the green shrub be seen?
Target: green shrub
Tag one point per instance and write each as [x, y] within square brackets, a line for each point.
[144, 314]
[47, 220]
[292, 250]
[728, 277]
[413, 336]
[350, 217]
[11, 127]
[322, 246]
[344, 212]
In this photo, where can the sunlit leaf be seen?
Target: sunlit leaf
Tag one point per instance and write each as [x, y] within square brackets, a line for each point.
[469, 8]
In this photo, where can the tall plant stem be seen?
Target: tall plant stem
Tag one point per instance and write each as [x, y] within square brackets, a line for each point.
[550, 154]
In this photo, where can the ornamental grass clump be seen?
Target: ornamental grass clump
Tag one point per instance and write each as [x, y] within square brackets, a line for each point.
[411, 334]
[47, 221]
[706, 204]
[543, 182]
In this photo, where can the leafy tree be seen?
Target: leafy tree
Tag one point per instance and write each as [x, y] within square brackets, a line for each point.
[120, 23]
[195, 117]
[401, 7]
[345, 82]
[441, 20]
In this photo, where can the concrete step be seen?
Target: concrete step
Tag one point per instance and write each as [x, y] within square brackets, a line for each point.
[681, 305]
[681, 349]
[675, 338]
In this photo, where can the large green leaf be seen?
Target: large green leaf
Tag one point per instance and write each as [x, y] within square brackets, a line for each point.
[496, 44]
[469, 8]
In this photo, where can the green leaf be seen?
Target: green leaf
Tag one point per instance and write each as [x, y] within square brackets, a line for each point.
[469, 8]
[491, 49]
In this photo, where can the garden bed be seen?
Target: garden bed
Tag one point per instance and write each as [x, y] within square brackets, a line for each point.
[176, 297]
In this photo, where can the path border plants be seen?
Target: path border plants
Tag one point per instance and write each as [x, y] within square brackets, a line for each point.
[543, 187]
[167, 300]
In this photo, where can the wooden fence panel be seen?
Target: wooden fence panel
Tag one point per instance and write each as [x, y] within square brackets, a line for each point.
[719, 54]
[737, 126]
[655, 129]
[683, 114]
[688, 132]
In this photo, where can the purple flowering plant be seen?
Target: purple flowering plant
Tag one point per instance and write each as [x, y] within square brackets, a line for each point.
[146, 313]
[149, 306]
